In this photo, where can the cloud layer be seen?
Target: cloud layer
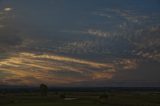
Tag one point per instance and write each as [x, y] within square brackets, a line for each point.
[27, 68]
[67, 42]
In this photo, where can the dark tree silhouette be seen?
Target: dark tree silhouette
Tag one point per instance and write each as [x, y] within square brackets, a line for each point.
[103, 98]
[43, 90]
[62, 96]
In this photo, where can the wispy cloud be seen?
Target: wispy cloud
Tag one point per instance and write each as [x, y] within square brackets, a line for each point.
[129, 15]
[99, 43]
[39, 67]
[93, 32]
[54, 69]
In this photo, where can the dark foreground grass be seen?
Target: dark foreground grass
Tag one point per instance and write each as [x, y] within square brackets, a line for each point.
[82, 99]
[77, 104]
[56, 104]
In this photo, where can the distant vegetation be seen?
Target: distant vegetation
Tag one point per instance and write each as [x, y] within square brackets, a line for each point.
[43, 90]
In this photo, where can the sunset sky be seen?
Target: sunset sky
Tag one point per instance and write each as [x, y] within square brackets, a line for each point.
[80, 42]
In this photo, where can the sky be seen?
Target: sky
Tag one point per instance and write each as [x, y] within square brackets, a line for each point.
[80, 42]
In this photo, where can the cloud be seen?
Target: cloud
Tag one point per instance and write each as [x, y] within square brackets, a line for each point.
[99, 33]
[9, 39]
[147, 43]
[102, 14]
[102, 75]
[126, 38]
[54, 69]
[128, 15]
[94, 32]
[127, 64]
[118, 37]
[39, 67]
[7, 9]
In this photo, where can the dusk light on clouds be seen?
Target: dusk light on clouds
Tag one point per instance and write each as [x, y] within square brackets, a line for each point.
[80, 42]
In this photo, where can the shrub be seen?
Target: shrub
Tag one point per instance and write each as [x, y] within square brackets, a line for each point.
[103, 98]
[62, 96]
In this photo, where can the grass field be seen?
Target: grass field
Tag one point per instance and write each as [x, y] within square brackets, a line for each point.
[81, 99]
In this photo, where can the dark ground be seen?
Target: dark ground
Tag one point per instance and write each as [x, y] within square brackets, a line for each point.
[80, 97]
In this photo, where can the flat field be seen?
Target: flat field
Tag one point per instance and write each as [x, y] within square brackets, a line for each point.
[81, 99]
